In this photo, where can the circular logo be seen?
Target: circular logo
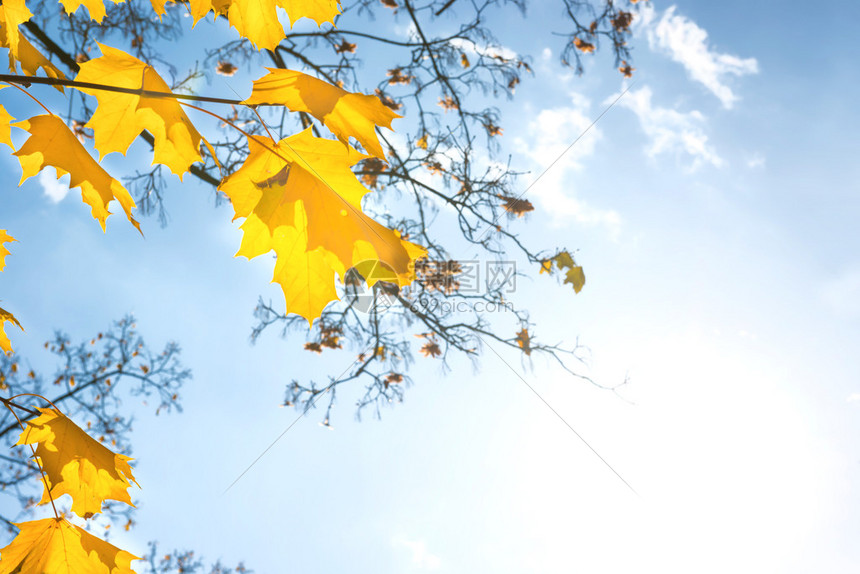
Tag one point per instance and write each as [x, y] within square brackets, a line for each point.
[371, 285]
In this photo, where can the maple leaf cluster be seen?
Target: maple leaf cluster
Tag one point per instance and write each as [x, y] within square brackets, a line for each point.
[292, 193]
[573, 273]
[75, 464]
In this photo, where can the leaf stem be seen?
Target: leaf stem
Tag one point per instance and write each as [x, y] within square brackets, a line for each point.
[31, 96]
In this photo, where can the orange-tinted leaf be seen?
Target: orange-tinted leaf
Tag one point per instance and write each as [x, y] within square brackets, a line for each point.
[52, 143]
[5, 343]
[55, 546]
[4, 238]
[524, 341]
[120, 118]
[583, 46]
[346, 114]
[76, 464]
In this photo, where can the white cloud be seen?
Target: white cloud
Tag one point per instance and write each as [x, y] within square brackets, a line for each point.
[670, 131]
[756, 161]
[854, 398]
[686, 43]
[550, 144]
[422, 559]
[55, 189]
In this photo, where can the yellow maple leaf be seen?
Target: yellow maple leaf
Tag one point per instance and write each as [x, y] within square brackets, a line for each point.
[5, 343]
[55, 546]
[306, 277]
[5, 130]
[14, 13]
[52, 143]
[257, 20]
[306, 184]
[76, 464]
[574, 276]
[320, 11]
[346, 114]
[120, 118]
[4, 238]
[30, 58]
[96, 8]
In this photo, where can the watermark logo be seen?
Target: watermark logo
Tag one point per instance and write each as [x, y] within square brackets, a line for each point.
[359, 285]
[372, 286]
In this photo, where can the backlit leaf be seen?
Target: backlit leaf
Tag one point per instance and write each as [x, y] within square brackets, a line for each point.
[574, 274]
[257, 20]
[96, 8]
[4, 238]
[55, 546]
[346, 114]
[13, 13]
[305, 184]
[30, 58]
[52, 143]
[120, 118]
[5, 343]
[76, 464]
[5, 130]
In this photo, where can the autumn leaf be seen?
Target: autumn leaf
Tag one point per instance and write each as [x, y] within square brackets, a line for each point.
[5, 130]
[300, 198]
[52, 143]
[157, 5]
[320, 11]
[626, 70]
[516, 206]
[524, 341]
[574, 274]
[583, 46]
[257, 20]
[430, 349]
[346, 114]
[96, 8]
[7, 317]
[226, 69]
[13, 13]
[55, 546]
[76, 464]
[4, 251]
[120, 118]
[30, 59]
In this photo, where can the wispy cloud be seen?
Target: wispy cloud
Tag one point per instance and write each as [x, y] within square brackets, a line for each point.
[687, 43]
[671, 131]
[550, 134]
[55, 189]
[422, 559]
[756, 160]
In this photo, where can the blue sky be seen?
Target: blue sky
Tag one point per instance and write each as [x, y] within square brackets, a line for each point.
[714, 211]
